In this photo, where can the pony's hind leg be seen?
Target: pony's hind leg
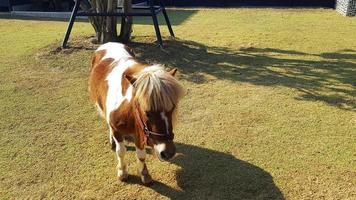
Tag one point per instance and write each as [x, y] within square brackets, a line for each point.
[120, 153]
[142, 167]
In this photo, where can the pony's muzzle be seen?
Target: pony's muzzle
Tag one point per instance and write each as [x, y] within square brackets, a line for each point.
[165, 150]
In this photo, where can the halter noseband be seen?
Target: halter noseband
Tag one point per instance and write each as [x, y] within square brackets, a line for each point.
[147, 133]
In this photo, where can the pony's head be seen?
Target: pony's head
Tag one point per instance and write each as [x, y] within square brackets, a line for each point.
[156, 96]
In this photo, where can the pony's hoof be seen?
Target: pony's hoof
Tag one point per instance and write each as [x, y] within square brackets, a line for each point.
[123, 176]
[147, 180]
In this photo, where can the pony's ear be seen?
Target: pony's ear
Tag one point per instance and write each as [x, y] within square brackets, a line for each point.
[131, 79]
[173, 72]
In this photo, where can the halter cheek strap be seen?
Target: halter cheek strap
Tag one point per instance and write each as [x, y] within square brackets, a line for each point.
[147, 133]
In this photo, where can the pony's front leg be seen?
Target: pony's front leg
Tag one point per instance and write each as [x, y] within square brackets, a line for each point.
[142, 167]
[120, 153]
[111, 139]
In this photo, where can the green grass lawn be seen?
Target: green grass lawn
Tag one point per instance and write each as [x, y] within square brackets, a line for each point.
[270, 110]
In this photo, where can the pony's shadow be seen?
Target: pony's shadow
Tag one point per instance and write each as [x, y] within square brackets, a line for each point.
[209, 174]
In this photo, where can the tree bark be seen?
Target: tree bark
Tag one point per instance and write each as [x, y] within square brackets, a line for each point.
[126, 22]
[110, 32]
[106, 27]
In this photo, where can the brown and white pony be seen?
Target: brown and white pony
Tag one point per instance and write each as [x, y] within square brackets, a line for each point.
[137, 100]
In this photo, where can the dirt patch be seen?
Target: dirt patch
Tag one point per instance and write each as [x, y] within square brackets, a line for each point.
[82, 43]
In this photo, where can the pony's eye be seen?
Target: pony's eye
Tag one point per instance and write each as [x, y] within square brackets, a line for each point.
[148, 114]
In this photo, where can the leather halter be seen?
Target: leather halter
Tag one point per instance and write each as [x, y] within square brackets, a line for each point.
[148, 133]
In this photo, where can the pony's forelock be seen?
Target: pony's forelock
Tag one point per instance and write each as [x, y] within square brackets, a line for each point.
[157, 90]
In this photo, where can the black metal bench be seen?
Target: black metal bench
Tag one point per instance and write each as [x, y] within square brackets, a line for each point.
[153, 11]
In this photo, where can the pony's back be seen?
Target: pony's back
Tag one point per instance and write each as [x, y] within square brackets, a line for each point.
[109, 63]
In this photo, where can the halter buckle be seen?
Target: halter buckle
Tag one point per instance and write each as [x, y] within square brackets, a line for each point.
[147, 132]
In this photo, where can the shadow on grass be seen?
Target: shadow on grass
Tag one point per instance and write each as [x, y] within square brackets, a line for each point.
[317, 77]
[176, 18]
[209, 174]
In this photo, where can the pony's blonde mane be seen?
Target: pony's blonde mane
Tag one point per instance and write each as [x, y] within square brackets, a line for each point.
[157, 90]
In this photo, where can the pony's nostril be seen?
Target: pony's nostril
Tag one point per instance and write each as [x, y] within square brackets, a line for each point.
[163, 155]
[166, 155]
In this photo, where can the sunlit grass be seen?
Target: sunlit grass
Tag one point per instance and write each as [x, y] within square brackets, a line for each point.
[269, 111]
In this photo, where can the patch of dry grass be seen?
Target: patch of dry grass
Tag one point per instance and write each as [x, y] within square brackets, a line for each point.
[269, 111]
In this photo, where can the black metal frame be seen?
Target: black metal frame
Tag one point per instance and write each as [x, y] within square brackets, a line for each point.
[10, 5]
[154, 10]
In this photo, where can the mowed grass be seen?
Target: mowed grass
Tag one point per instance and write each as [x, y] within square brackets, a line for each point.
[270, 110]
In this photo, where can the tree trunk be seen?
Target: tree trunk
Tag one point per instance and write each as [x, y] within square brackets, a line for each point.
[105, 27]
[110, 33]
[126, 22]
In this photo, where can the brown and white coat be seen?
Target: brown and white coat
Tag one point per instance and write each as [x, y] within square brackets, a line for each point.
[118, 84]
